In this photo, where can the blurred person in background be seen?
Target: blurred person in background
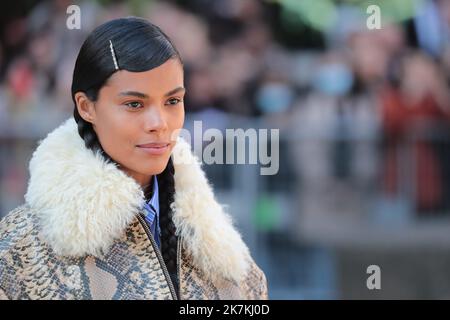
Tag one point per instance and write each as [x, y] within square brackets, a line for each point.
[117, 206]
[416, 117]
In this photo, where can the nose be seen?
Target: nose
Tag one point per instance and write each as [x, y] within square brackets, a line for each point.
[155, 119]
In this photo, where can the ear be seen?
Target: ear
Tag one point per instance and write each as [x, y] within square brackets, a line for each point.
[85, 107]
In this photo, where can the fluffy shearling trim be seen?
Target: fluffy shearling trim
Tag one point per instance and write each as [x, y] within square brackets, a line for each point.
[205, 228]
[85, 203]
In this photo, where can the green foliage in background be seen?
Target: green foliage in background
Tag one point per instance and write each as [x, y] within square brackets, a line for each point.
[323, 14]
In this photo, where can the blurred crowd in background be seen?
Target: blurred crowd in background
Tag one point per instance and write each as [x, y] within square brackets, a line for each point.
[364, 119]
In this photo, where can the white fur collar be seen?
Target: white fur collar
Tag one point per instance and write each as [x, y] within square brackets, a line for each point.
[84, 204]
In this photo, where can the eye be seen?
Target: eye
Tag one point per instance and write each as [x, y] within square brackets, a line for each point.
[134, 104]
[173, 101]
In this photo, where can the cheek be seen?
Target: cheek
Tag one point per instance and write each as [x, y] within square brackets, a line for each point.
[115, 137]
[176, 120]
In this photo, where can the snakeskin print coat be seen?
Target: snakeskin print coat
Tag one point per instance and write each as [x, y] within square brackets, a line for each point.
[80, 233]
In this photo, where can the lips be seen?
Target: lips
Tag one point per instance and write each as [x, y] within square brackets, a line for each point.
[154, 148]
[154, 145]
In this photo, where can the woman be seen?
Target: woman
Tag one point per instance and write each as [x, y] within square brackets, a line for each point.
[117, 206]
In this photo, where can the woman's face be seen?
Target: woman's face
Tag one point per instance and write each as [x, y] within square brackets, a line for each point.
[136, 117]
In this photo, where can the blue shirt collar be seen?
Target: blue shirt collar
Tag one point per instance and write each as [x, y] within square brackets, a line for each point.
[154, 201]
[151, 211]
[151, 207]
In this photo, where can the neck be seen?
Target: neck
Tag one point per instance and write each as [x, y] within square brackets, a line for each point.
[142, 179]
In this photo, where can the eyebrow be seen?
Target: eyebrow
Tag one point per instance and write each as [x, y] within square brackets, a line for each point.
[145, 96]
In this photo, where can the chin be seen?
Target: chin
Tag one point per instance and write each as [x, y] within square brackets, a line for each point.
[156, 168]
